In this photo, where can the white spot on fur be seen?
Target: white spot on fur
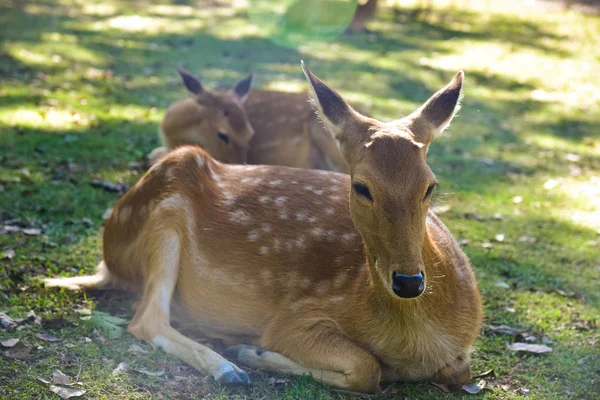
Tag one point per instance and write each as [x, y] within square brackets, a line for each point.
[331, 235]
[124, 214]
[216, 177]
[266, 275]
[309, 188]
[335, 197]
[263, 199]
[348, 237]
[300, 242]
[334, 188]
[173, 202]
[283, 214]
[275, 182]
[200, 161]
[229, 199]
[330, 211]
[247, 179]
[170, 174]
[251, 180]
[322, 287]
[301, 215]
[280, 200]
[282, 119]
[289, 245]
[239, 216]
[306, 283]
[336, 299]
[264, 250]
[162, 343]
[276, 244]
[318, 192]
[339, 280]
[317, 232]
[266, 227]
[143, 210]
[221, 184]
[312, 220]
[253, 235]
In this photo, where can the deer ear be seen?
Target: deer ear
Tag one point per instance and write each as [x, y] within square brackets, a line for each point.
[434, 116]
[242, 89]
[191, 83]
[339, 118]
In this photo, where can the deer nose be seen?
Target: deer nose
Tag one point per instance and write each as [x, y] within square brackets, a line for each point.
[406, 286]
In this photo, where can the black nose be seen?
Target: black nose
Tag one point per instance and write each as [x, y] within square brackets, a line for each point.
[408, 286]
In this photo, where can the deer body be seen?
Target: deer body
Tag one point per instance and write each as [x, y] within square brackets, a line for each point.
[284, 129]
[276, 257]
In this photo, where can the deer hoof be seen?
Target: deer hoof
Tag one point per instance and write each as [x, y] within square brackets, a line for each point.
[234, 378]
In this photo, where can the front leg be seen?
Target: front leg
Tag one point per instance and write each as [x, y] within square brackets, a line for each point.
[456, 373]
[325, 354]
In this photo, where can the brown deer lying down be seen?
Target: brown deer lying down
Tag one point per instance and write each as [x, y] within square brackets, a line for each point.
[348, 291]
[240, 126]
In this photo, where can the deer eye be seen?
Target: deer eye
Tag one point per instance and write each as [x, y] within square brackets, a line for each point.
[429, 191]
[362, 190]
[223, 137]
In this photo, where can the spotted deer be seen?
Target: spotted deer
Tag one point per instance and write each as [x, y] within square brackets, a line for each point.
[240, 126]
[349, 278]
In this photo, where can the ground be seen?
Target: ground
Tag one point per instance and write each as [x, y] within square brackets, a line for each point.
[84, 84]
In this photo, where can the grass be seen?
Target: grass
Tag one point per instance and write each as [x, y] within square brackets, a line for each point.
[83, 86]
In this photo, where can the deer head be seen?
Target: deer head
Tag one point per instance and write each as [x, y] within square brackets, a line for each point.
[391, 181]
[225, 128]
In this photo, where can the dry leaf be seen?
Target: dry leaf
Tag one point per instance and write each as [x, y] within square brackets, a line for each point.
[9, 342]
[525, 336]
[121, 187]
[6, 321]
[150, 373]
[527, 239]
[121, 369]
[524, 392]
[47, 337]
[66, 392]
[107, 213]
[474, 387]
[18, 352]
[486, 245]
[508, 330]
[59, 378]
[32, 231]
[502, 284]
[463, 242]
[530, 348]
[573, 157]
[8, 254]
[489, 373]
[136, 349]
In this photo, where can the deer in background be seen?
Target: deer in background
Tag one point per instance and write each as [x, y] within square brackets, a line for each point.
[349, 278]
[239, 126]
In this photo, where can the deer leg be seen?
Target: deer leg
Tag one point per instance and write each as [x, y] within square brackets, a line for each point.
[152, 318]
[456, 373]
[327, 356]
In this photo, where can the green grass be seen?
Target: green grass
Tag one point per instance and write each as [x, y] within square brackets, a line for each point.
[83, 86]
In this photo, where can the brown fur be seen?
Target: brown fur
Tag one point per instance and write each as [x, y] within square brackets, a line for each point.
[273, 256]
[270, 127]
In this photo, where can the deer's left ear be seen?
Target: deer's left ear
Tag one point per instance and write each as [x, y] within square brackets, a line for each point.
[436, 113]
[242, 89]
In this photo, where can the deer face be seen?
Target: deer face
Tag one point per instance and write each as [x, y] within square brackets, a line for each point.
[225, 128]
[391, 181]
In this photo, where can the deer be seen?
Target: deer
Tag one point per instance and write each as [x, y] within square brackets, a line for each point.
[365, 10]
[350, 278]
[238, 126]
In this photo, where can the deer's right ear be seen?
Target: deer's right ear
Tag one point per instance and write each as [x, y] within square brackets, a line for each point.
[337, 115]
[191, 83]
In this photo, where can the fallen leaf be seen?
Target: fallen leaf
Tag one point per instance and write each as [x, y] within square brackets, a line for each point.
[136, 349]
[474, 387]
[530, 348]
[509, 309]
[527, 239]
[525, 336]
[66, 392]
[524, 392]
[518, 199]
[6, 321]
[11, 229]
[486, 245]
[87, 222]
[474, 216]
[505, 329]
[277, 381]
[25, 172]
[497, 217]
[9, 342]
[121, 187]
[47, 337]
[18, 352]
[502, 284]
[8, 254]
[499, 237]
[42, 381]
[463, 242]
[121, 369]
[32, 231]
[150, 373]
[59, 378]
[489, 373]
